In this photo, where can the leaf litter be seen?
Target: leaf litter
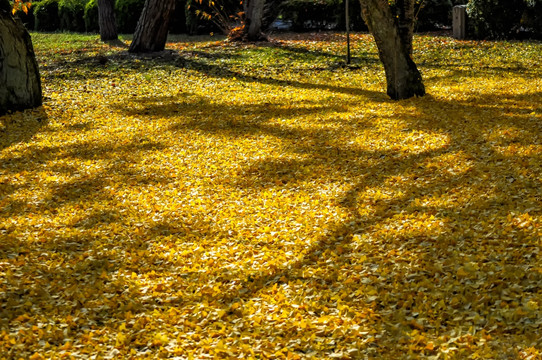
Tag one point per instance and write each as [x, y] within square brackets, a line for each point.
[267, 201]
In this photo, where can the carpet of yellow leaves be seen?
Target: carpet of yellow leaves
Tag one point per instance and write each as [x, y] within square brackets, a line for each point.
[264, 201]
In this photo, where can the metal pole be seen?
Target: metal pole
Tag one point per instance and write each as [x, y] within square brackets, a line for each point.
[347, 32]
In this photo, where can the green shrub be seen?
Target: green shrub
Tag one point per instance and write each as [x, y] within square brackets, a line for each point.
[127, 13]
[191, 19]
[321, 14]
[494, 19]
[271, 12]
[354, 13]
[310, 14]
[177, 23]
[46, 15]
[71, 14]
[91, 16]
[433, 13]
[532, 18]
[202, 19]
[127, 24]
[28, 17]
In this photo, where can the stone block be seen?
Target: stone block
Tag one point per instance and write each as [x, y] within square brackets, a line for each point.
[460, 21]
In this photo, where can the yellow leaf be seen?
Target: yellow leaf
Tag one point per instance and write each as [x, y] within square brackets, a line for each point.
[461, 273]
[160, 339]
[121, 339]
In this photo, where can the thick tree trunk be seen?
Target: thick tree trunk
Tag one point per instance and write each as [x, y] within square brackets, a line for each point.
[393, 37]
[253, 19]
[20, 86]
[152, 27]
[405, 21]
[106, 20]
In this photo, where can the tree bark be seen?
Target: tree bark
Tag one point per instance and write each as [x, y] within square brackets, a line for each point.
[106, 20]
[152, 27]
[254, 10]
[20, 85]
[393, 37]
[253, 22]
[405, 22]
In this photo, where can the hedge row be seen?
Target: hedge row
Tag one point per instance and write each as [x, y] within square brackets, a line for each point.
[488, 19]
[82, 15]
[504, 19]
[326, 14]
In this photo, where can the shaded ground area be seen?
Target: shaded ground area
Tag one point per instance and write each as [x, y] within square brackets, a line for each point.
[266, 201]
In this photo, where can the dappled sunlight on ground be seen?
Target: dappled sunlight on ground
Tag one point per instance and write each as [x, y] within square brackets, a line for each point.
[267, 201]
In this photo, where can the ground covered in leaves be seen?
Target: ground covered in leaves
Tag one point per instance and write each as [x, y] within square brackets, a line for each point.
[267, 201]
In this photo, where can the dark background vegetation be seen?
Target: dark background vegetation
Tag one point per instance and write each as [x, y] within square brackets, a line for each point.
[488, 19]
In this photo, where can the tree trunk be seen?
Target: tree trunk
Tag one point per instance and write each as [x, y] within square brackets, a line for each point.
[152, 27]
[106, 20]
[20, 86]
[393, 37]
[405, 21]
[253, 19]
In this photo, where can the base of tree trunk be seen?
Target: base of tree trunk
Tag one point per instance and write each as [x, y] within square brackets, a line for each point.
[393, 39]
[20, 85]
[152, 28]
[240, 34]
[405, 83]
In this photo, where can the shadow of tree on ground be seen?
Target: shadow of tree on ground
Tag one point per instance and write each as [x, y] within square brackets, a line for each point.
[430, 246]
[431, 271]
